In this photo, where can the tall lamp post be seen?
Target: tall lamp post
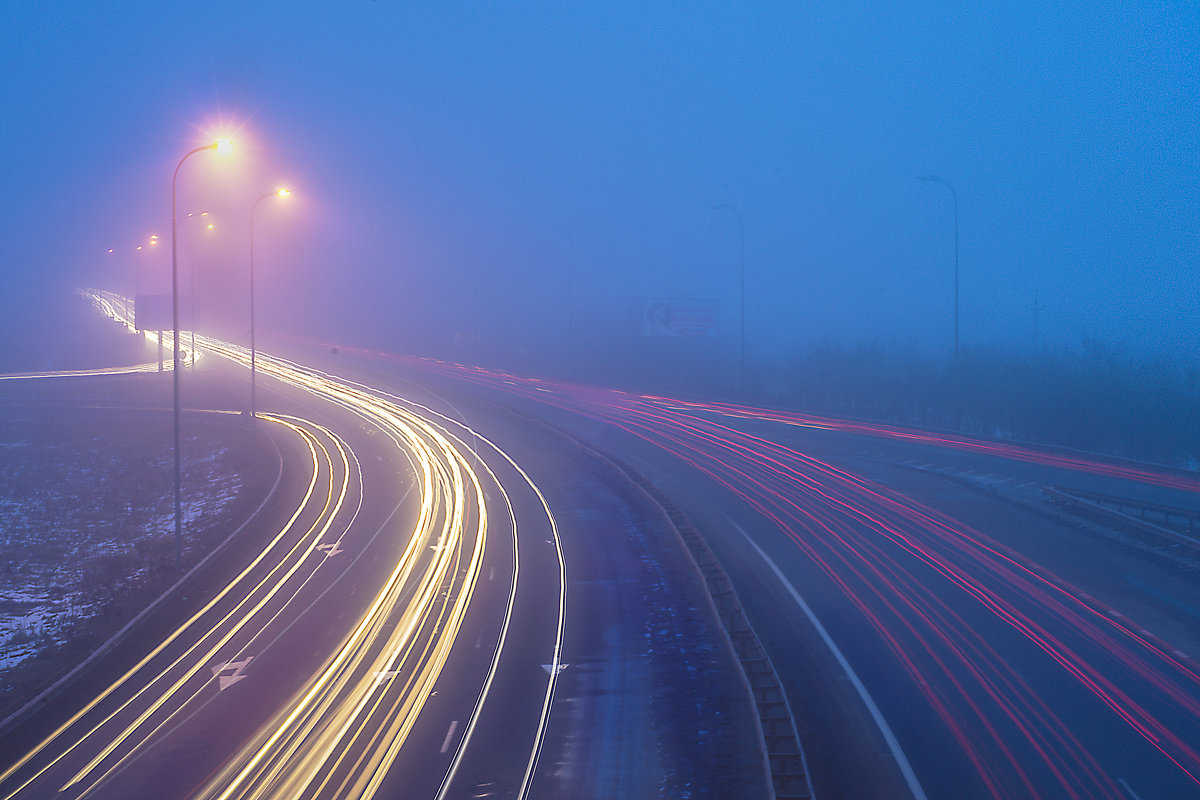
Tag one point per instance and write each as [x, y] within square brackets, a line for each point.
[935, 179]
[192, 287]
[741, 285]
[152, 242]
[222, 145]
[253, 350]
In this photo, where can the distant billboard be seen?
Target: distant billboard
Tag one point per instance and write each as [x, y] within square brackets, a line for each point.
[689, 318]
[152, 312]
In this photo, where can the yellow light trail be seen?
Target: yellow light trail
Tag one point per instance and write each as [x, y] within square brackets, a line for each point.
[341, 732]
[307, 757]
[235, 621]
[243, 583]
[345, 707]
[120, 309]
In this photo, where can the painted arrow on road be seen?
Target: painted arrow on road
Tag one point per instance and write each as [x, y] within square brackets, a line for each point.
[235, 670]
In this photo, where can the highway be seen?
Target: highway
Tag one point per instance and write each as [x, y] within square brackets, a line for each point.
[396, 623]
[448, 599]
[309, 672]
[947, 633]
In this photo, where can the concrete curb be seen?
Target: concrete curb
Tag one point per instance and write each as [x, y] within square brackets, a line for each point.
[784, 760]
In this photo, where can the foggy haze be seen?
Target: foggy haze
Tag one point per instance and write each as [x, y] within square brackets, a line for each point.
[598, 352]
[511, 177]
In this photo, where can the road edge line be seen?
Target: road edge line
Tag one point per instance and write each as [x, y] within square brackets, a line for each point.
[775, 779]
[906, 769]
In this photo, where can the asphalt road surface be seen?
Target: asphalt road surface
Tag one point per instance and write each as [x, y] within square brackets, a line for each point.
[946, 632]
[445, 597]
[401, 623]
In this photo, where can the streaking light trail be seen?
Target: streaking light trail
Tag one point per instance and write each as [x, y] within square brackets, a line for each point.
[1000, 651]
[340, 732]
[121, 310]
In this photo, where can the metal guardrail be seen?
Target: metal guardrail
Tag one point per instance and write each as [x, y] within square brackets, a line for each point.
[1170, 516]
[1113, 511]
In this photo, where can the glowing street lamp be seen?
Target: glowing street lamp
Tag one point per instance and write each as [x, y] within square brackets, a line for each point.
[137, 262]
[281, 193]
[223, 146]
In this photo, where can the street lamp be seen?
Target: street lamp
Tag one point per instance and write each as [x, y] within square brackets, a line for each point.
[137, 263]
[935, 179]
[741, 284]
[223, 146]
[281, 192]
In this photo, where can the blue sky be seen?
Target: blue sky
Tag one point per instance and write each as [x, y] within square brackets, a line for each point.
[459, 166]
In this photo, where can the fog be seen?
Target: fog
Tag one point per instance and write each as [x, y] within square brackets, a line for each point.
[518, 183]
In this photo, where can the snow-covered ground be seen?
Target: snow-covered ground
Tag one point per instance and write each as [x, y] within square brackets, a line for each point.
[87, 520]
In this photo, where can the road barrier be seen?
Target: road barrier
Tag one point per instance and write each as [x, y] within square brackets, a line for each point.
[786, 764]
[1112, 510]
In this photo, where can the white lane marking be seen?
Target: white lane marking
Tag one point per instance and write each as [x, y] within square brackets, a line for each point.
[385, 675]
[535, 754]
[224, 681]
[1125, 786]
[554, 669]
[901, 760]
[449, 736]
[491, 573]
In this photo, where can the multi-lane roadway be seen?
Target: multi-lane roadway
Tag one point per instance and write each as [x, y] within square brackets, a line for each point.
[949, 633]
[399, 627]
[456, 603]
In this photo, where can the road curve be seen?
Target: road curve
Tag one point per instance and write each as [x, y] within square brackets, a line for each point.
[337, 651]
[1004, 667]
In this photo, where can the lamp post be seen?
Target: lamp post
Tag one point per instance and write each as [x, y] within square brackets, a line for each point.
[223, 145]
[192, 286]
[281, 192]
[152, 243]
[741, 285]
[935, 179]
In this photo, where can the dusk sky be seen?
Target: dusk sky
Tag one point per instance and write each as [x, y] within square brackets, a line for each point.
[459, 168]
